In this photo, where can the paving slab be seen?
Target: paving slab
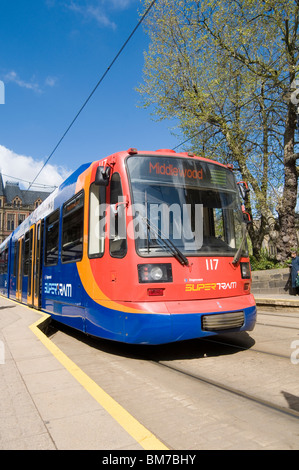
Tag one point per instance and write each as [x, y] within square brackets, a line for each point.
[42, 406]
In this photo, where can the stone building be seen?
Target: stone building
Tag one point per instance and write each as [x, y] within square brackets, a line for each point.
[15, 205]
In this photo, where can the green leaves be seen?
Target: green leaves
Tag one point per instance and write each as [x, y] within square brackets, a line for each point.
[221, 69]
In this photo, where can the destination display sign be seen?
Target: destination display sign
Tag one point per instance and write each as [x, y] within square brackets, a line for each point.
[180, 171]
[171, 170]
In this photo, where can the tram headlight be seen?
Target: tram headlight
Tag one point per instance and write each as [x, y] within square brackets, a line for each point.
[154, 272]
[245, 270]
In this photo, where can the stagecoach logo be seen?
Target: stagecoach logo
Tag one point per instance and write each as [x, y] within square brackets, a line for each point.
[62, 290]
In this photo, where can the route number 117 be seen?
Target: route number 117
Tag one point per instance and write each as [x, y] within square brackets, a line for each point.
[212, 264]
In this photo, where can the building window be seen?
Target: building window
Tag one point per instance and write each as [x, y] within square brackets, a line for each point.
[10, 222]
[37, 203]
[17, 202]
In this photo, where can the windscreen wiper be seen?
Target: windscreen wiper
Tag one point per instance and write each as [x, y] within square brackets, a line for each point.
[167, 243]
[239, 252]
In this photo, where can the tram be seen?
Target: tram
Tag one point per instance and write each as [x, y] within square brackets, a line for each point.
[139, 247]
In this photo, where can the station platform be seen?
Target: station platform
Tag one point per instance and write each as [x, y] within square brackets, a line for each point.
[284, 302]
[48, 403]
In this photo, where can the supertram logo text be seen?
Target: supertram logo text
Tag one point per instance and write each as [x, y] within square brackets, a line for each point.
[210, 286]
[54, 288]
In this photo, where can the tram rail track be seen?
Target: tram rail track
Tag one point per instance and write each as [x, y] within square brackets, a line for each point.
[283, 315]
[180, 392]
[172, 365]
[244, 348]
[287, 317]
[277, 326]
[232, 390]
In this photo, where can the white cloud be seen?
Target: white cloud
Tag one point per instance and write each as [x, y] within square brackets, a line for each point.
[14, 78]
[98, 9]
[121, 4]
[32, 84]
[51, 81]
[25, 168]
[91, 11]
[100, 16]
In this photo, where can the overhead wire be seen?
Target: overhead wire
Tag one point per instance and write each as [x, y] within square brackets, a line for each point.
[25, 181]
[95, 88]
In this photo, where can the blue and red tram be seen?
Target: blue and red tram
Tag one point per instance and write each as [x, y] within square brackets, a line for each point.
[139, 247]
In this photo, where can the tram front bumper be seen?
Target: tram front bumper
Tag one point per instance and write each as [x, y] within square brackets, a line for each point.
[189, 319]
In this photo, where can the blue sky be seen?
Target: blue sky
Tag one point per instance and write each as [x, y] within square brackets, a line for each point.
[53, 53]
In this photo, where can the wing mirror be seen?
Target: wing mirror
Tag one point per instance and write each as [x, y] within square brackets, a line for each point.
[243, 188]
[102, 176]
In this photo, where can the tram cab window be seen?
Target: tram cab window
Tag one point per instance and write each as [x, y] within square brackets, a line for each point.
[118, 240]
[52, 233]
[194, 204]
[97, 213]
[72, 229]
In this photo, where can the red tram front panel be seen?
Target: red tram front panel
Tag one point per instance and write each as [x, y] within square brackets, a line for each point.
[207, 285]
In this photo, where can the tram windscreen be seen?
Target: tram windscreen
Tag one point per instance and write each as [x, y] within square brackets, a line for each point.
[193, 204]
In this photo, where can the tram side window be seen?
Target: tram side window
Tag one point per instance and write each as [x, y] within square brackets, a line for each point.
[118, 240]
[15, 263]
[97, 221]
[52, 233]
[72, 229]
[4, 261]
[26, 254]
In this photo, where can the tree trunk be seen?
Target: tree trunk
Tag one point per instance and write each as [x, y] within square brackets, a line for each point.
[286, 210]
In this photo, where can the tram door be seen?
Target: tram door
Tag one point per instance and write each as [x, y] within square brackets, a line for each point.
[19, 272]
[30, 263]
[37, 264]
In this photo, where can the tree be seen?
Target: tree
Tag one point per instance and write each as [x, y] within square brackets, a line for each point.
[223, 69]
